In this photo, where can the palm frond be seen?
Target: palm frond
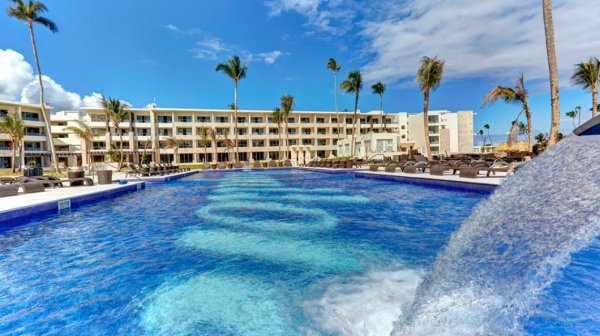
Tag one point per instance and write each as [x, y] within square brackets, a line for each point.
[287, 105]
[378, 88]
[47, 23]
[233, 68]
[430, 73]
[587, 74]
[352, 84]
[332, 65]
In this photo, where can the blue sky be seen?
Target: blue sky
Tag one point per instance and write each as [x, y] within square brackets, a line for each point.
[169, 51]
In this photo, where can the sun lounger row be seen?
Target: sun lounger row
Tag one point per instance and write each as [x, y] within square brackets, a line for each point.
[9, 186]
[343, 164]
[152, 169]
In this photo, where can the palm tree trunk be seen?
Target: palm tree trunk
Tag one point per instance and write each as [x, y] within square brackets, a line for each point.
[287, 140]
[235, 127]
[14, 156]
[529, 128]
[205, 152]
[121, 150]
[381, 108]
[337, 112]
[354, 124]
[594, 102]
[53, 157]
[426, 123]
[279, 143]
[553, 69]
[21, 155]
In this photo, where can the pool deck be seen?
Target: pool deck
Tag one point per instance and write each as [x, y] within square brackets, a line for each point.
[54, 200]
[155, 178]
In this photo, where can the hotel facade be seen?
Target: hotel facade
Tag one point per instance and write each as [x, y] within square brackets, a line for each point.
[147, 135]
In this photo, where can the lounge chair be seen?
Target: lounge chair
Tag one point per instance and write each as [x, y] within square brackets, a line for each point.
[469, 172]
[287, 163]
[374, 167]
[9, 190]
[221, 165]
[205, 165]
[237, 165]
[31, 187]
[391, 168]
[7, 180]
[272, 164]
[412, 169]
[256, 164]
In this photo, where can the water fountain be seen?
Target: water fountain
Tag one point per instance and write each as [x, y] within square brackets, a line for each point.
[489, 277]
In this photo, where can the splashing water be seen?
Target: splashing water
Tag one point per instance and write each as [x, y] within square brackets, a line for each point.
[489, 276]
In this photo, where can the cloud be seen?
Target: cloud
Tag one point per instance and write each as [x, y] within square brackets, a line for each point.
[270, 57]
[331, 16]
[210, 48]
[213, 48]
[176, 29]
[149, 62]
[16, 73]
[18, 83]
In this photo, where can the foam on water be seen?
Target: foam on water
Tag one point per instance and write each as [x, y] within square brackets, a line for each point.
[267, 189]
[322, 256]
[304, 198]
[312, 219]
[490, 275]
[224, 303]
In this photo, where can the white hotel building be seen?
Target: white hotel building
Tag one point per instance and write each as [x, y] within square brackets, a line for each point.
[311, 134]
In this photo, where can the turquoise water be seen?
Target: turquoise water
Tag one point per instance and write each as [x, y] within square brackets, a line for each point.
[280, 252]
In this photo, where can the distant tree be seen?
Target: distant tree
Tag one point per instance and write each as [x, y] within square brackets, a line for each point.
[212, 135]
[523, 130]
[572, 115]
[204, 140]
[30, 13]
[516, 95]
[173, 143]
[335, 67]
[379, 89]
[587, 75]
[14, 127]
[482, 135]
[117, 112]
[487, 127]
[287, 105]
[235, 70]
[278, 119]
[353, 84]
[429, 77]
[85, 134]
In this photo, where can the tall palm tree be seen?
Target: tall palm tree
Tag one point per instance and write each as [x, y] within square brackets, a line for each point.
[553, 70]
[481, 134]
[587, 75]
[235, 70]
[30, 14]
[572, 115]
[429, 77]
[379, 89]
[578, 110]
[278, 119]
[353, 84]
[14, 127]
[228, 145]
[85, 134]
[173, 143]
[212, 135]
[204, 140]
[523, 129]
[117, 111]
[287, 105]
[335, 67]
[516, 95]
[512, 134]
[487, 127]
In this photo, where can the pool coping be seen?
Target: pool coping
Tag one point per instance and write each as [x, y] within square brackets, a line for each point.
[59, 203]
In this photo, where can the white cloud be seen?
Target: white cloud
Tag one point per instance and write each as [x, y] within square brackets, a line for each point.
[331, 16]
[213, 48]
[270, 57]
[210, 48]
[19, 83]
[178, 30]
[15, 74]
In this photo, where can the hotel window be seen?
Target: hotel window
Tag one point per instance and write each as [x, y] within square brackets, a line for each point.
[241, 119]
[184, 119]
[201, 144]
[334, 142]
[144, 144]
[4, 145]
[402, 127]
[306, 131]
[184, 131]
[322, 130]
[274, 143]
[164, 119]
[304, 120]
[307, 142]
[32, 146]
[98, 118]
[388, 121]
[203, 119]
[273, 131]
[221, 131]
[142, 119]
[3, 113]
[375, 121]
[60, 136]
[258, 143]
[363, 121]
[222, 119]
[186, 158]
[291, 120]
[348, 132]
[348, 120]
[256, 120]
[98, 145]
[320, 120]
[165, 132]
[31, 116]
[293, 142]
[243, 143]
[334, 131]
[242, 131]
[321, 142]
[258, 131]
[186, 144]
[292, 131]
[334, 120]
[143, 131]
[270, 120]
[33, 131]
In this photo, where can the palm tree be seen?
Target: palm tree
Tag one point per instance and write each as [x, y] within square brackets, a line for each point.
[379, 89]
[429, 77]
[523, 129]
[553, 70]
[278, 119]
[118, 112]
[14, 127]
[572, 115]
[30, 14]
[512, 134]
[212, 135]
[235, 70]
[85, 134]
[287, 105]
[228, 145]
[173, 143]
[335, 67]
[353, 84]
[204, 140]
[481, 134]
[587, 75]
[487, 127]
[516, 95]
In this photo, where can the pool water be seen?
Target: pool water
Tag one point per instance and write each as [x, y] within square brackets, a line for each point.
[278, 252]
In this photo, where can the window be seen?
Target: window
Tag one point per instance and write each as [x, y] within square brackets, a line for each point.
[31, 116]
[433, 119]
[241, 119]
[334, 120]
[242, 131]
[348, 120]
[98, 118]
[142, 119]
[164, 119]
[322, 130]
[304, 120]
[258, 143]
[306, 131]
[203, 119]
[363, 121]
[293, 131]
[4, 145]
[270, 120]
[274, 143]
[201, 144]
[258, 131]
[256, 120]
[321, 142]
[307, 141]
[184, 119]
[291, 120]
[143, 132]
[221, 131]
[184, 131]
[273, 131]
[242, 143]
[320, 120]
[186, 158]
[3, 113]
[293, 142]
[402, 127]
[60, 136]
[32, 146]
[186, 144]
[33, 131]
[98, 145]
[165, 132]
[222, 119]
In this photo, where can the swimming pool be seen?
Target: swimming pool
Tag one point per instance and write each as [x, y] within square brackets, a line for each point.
[277, 252]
